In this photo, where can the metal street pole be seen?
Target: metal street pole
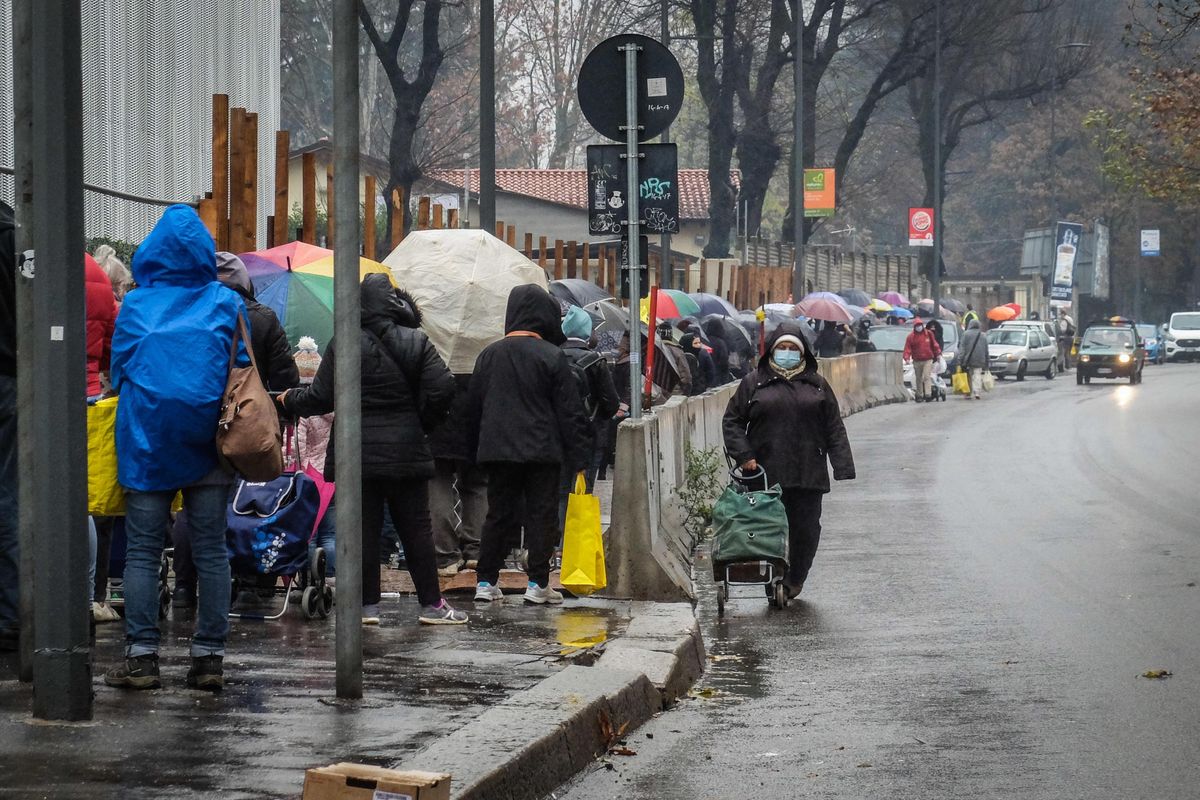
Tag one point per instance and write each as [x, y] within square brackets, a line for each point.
[62, 671]
[348, 369]
[937, 163]
[1054, 134]
[487, 115]
[632, 229]
[665, 274]
[798, 281]
[23, 206]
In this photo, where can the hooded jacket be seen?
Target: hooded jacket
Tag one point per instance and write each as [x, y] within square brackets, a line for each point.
[101, 320]
[8, 292]
[170, 357]
[276, 367]
[524, 406]
[405, 387]
[921, 346]
[792, 427]
[973, 349]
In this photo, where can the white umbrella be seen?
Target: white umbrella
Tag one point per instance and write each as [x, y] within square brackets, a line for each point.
[461, 280]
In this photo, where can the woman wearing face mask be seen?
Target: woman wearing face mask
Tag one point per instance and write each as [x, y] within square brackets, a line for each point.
[921, 348]
[785, 418]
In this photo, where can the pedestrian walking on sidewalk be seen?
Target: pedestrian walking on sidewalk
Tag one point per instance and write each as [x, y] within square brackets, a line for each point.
[973, 357]
[526, 424]
[921, 348]
[785, 419]
[170, 363]
[405, 389]
[458, 491]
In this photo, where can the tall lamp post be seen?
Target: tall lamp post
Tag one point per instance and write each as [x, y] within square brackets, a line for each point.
[1054, 135]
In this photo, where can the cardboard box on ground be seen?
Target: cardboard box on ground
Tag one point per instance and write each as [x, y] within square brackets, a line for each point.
[347, 781]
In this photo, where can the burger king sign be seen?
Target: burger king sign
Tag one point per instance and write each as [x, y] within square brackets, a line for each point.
[920, 227]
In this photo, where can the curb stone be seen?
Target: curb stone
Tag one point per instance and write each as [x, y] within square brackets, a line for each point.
[528, 745]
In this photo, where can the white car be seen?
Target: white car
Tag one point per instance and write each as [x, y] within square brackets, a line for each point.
[1183, 336]
[1019, 351]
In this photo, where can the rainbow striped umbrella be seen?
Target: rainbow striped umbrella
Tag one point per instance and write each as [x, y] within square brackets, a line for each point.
[296, 281]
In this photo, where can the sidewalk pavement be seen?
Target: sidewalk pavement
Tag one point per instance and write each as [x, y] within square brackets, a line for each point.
[512, 704]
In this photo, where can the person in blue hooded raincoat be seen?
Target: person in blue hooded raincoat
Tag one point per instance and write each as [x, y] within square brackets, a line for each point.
[170, 363]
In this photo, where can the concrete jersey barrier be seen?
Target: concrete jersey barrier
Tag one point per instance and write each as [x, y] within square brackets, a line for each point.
[647, 549]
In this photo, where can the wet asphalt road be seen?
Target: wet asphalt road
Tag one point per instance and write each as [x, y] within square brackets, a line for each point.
[986, 596]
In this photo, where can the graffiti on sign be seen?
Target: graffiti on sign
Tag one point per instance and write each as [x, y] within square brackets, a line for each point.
[658, 196]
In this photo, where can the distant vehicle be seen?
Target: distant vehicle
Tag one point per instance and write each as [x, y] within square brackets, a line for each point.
[889, 338]
[1183, 336]
[1110, 350]
[1045, 326]
[1152, 340]
[1020, 350]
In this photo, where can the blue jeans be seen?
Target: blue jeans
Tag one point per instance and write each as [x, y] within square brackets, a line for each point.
[325, 538]
[147, 515]
[10, 558]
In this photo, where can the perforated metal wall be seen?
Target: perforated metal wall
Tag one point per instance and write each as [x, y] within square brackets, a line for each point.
[150, 68]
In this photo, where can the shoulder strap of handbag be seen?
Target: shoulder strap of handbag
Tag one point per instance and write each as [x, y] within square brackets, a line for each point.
[974, 344]
[243, 333]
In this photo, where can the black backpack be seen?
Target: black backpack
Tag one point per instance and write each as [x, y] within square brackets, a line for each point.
[580, 364]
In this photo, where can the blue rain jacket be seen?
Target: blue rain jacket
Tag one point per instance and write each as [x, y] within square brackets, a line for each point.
[170, 357]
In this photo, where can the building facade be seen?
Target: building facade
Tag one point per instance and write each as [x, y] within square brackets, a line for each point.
[150, 69]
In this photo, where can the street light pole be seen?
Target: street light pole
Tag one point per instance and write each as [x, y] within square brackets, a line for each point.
[936, 278]
[798, 278]
[487, 115]
[1054, 133]
[665, 276]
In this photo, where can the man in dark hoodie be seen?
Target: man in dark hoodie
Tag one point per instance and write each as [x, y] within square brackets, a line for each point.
[525, 423]
[9, 548]
[785, 419]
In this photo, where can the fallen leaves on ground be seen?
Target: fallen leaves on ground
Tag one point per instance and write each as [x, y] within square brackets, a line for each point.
[621, 751]
[707, 693]
[1157, 674]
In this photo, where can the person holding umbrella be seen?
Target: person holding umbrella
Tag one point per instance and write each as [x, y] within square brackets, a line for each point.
[785, 419]
[922, 349]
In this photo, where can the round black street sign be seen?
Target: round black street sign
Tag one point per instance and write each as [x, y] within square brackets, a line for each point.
[602, 82]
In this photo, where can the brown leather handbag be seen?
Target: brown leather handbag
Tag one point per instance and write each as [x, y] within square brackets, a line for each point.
[248, 435]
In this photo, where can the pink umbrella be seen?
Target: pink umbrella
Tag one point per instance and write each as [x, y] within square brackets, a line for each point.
[893, 298]
[824, 309]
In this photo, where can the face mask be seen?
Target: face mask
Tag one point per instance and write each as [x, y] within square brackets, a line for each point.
[919, 328]
[786, 359]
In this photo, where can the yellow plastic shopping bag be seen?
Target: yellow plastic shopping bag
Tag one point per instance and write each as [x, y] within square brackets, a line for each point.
[583, 544]
[106, 497]
[960, 382]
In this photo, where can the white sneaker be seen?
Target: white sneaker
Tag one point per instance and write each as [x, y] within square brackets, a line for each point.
[540, 596]
[487, 593]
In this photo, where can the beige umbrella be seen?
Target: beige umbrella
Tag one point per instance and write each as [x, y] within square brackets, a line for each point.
[461, 280]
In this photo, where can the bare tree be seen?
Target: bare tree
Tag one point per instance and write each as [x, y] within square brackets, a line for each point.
[993, 58]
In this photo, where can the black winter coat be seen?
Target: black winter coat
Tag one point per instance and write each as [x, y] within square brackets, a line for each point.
[791, 427]
[8, 292]
[268, 340]
[405, 386]
[524, 406]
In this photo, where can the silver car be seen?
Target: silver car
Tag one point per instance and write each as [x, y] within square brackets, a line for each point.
[1019, 351]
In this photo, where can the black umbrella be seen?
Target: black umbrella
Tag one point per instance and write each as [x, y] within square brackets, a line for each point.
[736, 337]
[855, 297]
[578, 292]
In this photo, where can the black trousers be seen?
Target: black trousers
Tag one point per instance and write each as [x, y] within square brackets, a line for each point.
[804, 531]
[408, 503]
[104, 530]
[520, 494]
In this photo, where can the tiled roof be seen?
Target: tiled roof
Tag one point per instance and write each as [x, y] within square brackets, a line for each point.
[568, 187]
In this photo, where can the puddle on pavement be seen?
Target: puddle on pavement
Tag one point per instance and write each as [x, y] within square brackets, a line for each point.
[734, 671]
[581, 628]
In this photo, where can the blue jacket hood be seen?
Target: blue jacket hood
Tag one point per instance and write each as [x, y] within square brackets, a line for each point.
[178, 252]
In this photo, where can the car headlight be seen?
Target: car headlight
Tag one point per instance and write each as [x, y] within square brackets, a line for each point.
[1008, 356]
[1170, 337]
[1124, 358]
[1085, 359]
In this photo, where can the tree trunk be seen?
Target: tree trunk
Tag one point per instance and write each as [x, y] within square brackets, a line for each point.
[758, 153]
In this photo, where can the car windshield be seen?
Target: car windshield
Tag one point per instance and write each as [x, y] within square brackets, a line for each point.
[950, 335]
[888, 337]
[1107, 337]
[1148, 331]
[1185, 322]
[1010, 336]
